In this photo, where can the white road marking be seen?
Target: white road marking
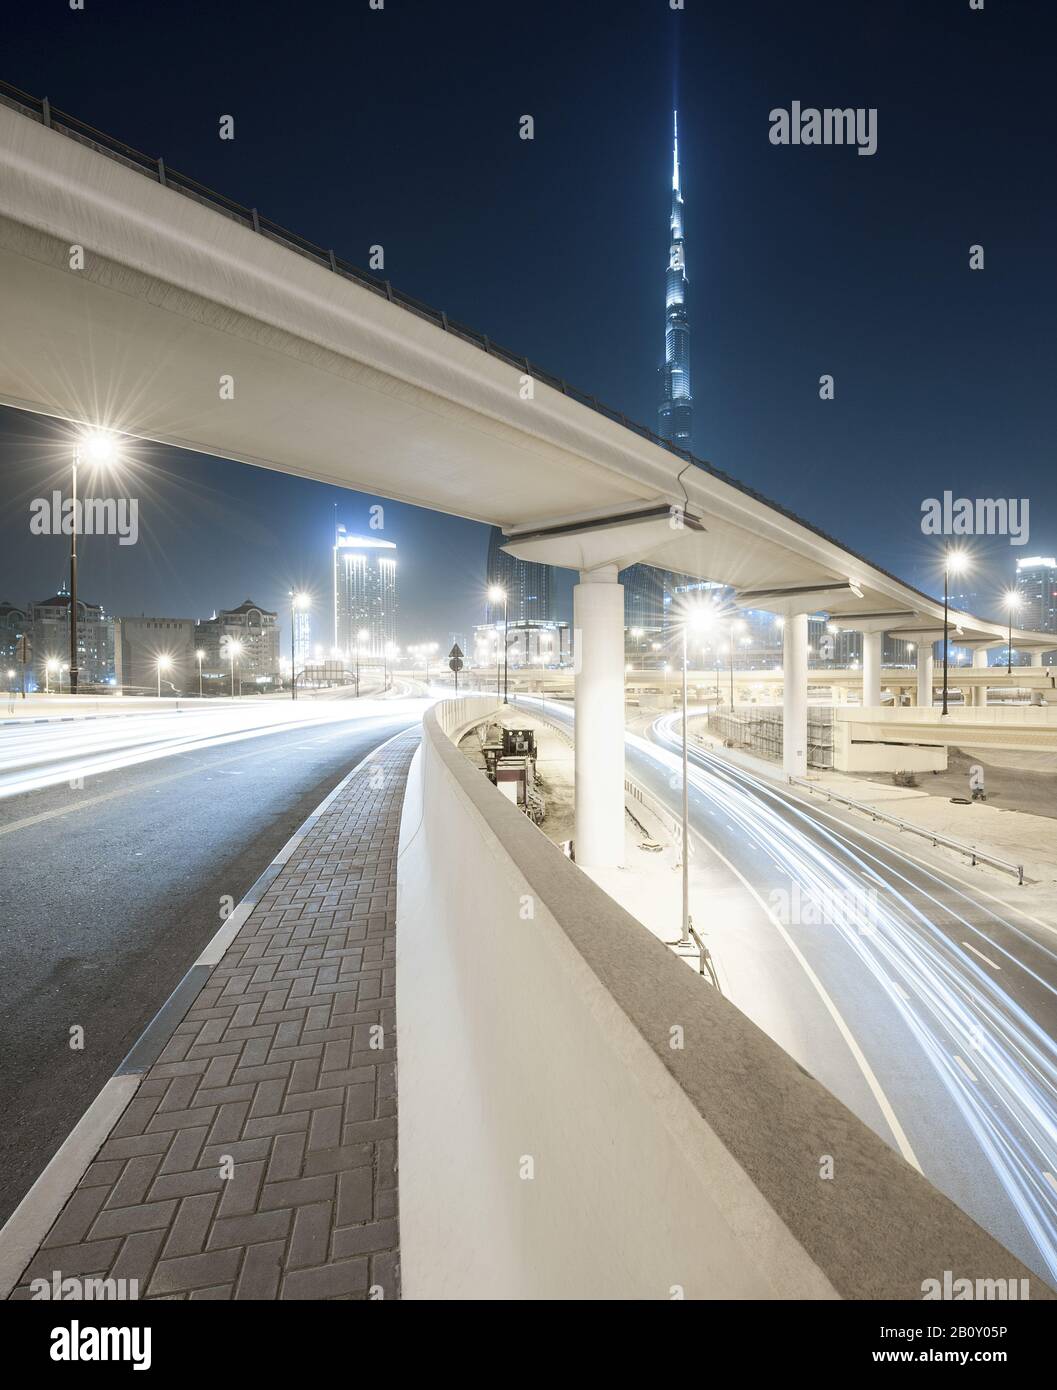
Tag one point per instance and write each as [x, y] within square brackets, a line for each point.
[970, 947]
[964, 1066]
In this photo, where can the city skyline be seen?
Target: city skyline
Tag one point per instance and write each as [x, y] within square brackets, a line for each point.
[447, 692]
[780, 312]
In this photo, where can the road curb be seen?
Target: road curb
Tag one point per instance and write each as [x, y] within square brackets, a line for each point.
[29, 1223]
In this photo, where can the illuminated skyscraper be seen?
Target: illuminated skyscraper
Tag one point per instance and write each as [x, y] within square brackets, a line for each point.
[1037, 587]
[676, 410]
[364, 593]
[528, 585]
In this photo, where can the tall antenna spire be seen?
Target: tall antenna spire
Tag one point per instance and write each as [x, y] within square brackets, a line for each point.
[675, 417]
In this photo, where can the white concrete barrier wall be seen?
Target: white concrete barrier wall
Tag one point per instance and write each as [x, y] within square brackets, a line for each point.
[553, 1141]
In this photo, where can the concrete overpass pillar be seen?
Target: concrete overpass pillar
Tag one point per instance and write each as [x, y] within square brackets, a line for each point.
[598, 619]
[1036, 658]
[794, 712]
[980, 691]
[925, 675]
[871, 668]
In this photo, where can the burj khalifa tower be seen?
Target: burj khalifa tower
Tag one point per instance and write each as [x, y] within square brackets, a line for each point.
[676, 409]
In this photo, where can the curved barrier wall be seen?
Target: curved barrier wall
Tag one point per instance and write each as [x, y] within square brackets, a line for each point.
[581, 1117]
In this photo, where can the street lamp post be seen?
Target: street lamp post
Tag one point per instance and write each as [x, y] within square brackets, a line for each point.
[696, 620]
[684, 932]
[95, 447]
[234, 651]
[163, 665]
[200, 654]
[1012, 603]
[296, 601]
[496, 594]
[953, 563]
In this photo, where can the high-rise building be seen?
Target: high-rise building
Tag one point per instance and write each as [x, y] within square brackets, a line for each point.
[302, 638]
[528, 585]
[364, 593]
[1037, 587]
[48, 623]
[675, 416]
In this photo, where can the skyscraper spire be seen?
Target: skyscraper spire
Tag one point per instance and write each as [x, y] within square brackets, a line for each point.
[675, 415]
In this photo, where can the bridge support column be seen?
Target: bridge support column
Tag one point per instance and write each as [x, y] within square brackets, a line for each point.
[871, 668]
[794, 712]
[1036, 658]
[980, 691]
[925, 677]
[598, 620]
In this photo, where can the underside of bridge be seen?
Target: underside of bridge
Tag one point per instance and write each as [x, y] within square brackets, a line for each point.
[147, 309]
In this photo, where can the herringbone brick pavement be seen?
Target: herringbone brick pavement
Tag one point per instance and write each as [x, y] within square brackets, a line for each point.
[257, 1158]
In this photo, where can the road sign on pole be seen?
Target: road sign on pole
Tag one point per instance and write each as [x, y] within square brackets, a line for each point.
[455, 664]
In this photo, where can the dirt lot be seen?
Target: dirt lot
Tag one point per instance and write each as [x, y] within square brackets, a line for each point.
[1015, 781]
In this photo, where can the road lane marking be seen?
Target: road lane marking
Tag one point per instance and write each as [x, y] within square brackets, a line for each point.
[1051, 1180]
[970, 947]
[964, 1067]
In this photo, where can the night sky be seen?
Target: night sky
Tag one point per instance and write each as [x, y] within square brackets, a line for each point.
[399, 127]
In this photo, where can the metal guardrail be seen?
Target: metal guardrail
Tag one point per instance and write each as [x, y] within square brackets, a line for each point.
[704, 959]
[977, 856]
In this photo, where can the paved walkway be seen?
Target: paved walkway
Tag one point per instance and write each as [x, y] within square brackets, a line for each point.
[257, 1159]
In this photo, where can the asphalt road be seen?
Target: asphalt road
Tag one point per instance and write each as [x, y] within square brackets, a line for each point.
[109, 891]
[926, 1004]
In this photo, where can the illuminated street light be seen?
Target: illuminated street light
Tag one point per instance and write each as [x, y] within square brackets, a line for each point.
[234, 650]
[954, 562]
[199, 656]
[1012, 602]
[163, 664]
[95, 447]
[496, 594]
[699, 621]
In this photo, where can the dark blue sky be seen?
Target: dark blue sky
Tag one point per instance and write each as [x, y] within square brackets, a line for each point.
[399, 127]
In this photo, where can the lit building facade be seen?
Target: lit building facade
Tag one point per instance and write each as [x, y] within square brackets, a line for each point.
[530, 644]
[141, 642]
[528, 585]
[302, 638]
[256, 630]
[365, 594]
[12, 631]
[675, 415]
[1037, 587]
[48, 624]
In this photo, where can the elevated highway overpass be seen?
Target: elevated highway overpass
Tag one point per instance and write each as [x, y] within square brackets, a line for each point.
[132, 296]
[339, 378]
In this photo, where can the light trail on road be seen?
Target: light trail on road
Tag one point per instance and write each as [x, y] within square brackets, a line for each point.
[997, 1063]
[35, 756]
